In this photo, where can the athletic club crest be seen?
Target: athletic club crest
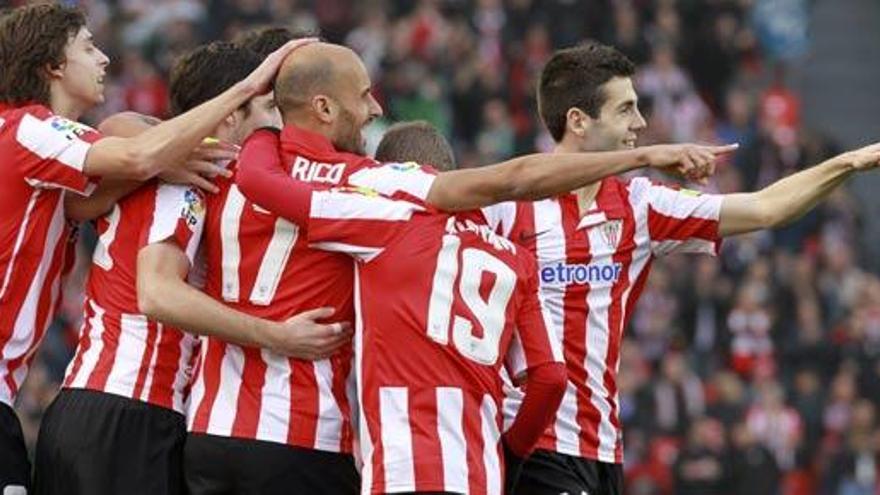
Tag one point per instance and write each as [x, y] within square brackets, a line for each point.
[611, 232]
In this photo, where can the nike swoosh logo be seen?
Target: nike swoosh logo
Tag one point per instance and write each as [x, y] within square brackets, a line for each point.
[523, 237]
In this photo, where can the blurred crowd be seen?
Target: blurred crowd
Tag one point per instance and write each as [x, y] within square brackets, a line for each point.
[756, 373]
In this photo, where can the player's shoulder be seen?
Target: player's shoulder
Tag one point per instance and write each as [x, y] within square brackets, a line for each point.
[36, 122]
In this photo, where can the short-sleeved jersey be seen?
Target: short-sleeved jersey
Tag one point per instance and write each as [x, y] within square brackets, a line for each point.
[442, 303]
[43, 157]
[592, 269]
[120, 351]
[259, 263]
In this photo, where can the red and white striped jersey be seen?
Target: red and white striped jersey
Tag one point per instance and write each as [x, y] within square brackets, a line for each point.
[592, 269]
[43, 156]
[438, 301]
[259, 264]
[120, 351]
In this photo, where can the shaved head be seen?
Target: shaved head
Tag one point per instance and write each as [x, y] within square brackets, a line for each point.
[315, 69]
[326, 88]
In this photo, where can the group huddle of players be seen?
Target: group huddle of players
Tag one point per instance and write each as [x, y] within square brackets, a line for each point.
[268, 310]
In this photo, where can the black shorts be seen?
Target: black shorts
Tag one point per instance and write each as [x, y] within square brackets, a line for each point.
[216, 465]
[94, 443]
[15, 468]
[552, 473]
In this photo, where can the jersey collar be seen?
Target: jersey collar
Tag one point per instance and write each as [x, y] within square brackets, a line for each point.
[608, 204]
[306, 141]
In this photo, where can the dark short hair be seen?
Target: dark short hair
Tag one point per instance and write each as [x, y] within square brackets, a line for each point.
[207, 71]
[33, 37]
[573, 78]
[266, 40]
[418, 142]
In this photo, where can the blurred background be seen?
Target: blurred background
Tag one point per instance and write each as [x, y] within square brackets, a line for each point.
[755, 374]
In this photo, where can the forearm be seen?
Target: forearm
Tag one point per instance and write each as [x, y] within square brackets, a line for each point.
[109, 192]
[783, 201]
[165, 144]
[176, 303]
[262, 179]
[544, 390]
[529, 177]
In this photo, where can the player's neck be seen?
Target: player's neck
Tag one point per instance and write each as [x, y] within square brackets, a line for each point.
[308, 124]
[65, 106]
[586, 194]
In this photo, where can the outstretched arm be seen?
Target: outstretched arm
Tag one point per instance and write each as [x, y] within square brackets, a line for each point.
[539, 176]
[791, 197]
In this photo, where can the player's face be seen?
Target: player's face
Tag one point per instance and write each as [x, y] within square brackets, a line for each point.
[619, 121]
[262, 112]
[357, 108]
[81, 76]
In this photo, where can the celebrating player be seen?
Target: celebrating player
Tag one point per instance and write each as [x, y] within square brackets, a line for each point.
[44, 87]
[124, 393]
[595, 247]
[438, 297]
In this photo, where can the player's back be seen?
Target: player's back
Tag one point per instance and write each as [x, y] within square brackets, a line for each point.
[120, 350]
[437, 311]
[263, 265]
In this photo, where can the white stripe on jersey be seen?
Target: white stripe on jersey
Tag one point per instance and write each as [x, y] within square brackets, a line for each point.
[491, 437]
[552, 245]
[25, 329]
[397, 454]
[453, 445]
[598, 340]
[336, 205]
[225, 405]
[40, 138]
[197, 393]
[672, 203]
[275, 404]
[95, 327]
[390, 178]
[19, 239]
[101, 255]
[129, 352]
[330, 419]
[363, 428]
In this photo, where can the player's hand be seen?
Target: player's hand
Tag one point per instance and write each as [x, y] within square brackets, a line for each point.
[864, 158]
[303, 337]
[260, 80]
[202, 165]
[694, 162]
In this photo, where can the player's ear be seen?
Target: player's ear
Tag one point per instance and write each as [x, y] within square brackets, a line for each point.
[324, 108]
[55, 71]
[577, 122]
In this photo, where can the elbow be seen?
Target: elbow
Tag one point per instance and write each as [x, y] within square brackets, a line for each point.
[149, 300]
[558, 379]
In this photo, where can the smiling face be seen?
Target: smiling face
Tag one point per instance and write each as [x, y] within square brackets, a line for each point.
[619, 122]
[79, 79]
[351, 95]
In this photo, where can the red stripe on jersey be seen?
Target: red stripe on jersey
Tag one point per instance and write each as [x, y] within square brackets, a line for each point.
[576, 322]
[678, 229]
[85, 343]
[109, 343]
[623, 255]
[303, 403]
[146, 359]
[166, 368]
[247, 408]
[425, 407]
[211, 375]
[473, 425]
